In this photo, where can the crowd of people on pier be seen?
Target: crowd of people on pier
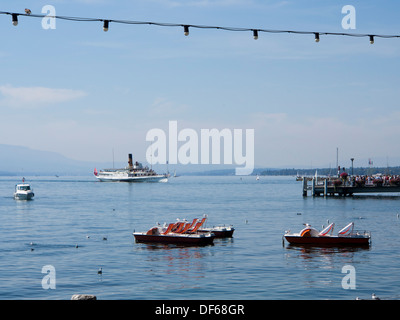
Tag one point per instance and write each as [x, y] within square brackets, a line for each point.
[370, 180]
[378, 179]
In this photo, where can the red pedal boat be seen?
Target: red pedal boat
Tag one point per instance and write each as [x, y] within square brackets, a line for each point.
[345, 237]
[181, 233]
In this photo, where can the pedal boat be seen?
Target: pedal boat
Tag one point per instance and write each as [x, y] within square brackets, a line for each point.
[180, 233]
[219, 231]
[345, 237]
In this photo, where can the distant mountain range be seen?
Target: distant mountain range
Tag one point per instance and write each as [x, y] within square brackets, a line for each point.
[17, 160]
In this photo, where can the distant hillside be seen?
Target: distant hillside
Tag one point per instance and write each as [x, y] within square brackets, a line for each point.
[16, 160]
[326, 171]
[222, 172]
[299, 171]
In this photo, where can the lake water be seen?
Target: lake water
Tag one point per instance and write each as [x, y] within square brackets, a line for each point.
[78, 225]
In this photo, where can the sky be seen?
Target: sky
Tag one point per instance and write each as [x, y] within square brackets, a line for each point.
[86, 93]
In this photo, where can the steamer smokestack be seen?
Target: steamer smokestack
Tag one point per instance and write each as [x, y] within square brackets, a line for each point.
[130, 162]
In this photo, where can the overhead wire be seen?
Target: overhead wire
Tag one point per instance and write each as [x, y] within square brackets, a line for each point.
[254, 31]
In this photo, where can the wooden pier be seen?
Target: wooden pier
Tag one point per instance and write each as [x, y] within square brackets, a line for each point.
[326, 188]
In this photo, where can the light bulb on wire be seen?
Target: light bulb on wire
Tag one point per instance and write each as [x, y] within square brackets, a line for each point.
[105, 25]
[14, 19]
[371, 39]
[186, 30]
[255, 34]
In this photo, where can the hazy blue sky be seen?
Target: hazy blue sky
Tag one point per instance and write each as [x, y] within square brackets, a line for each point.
[82, 92]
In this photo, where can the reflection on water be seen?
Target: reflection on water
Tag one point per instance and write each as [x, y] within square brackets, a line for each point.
[321, 267]
[170, 254]
[376, 197]
[327, 253]
[328, 249]
[323, 256]
[184, 265]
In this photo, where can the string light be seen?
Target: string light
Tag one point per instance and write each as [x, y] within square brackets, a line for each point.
[15, 19]
[371, 39]
[186, 30]
[186, 27]
[255, 34]
[105, 25]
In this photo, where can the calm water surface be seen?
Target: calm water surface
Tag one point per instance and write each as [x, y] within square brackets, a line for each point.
[67, 224]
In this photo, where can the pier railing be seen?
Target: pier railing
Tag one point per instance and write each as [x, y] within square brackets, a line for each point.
[337, 187]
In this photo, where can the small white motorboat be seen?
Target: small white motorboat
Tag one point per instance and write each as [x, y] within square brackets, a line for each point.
[23, 191]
